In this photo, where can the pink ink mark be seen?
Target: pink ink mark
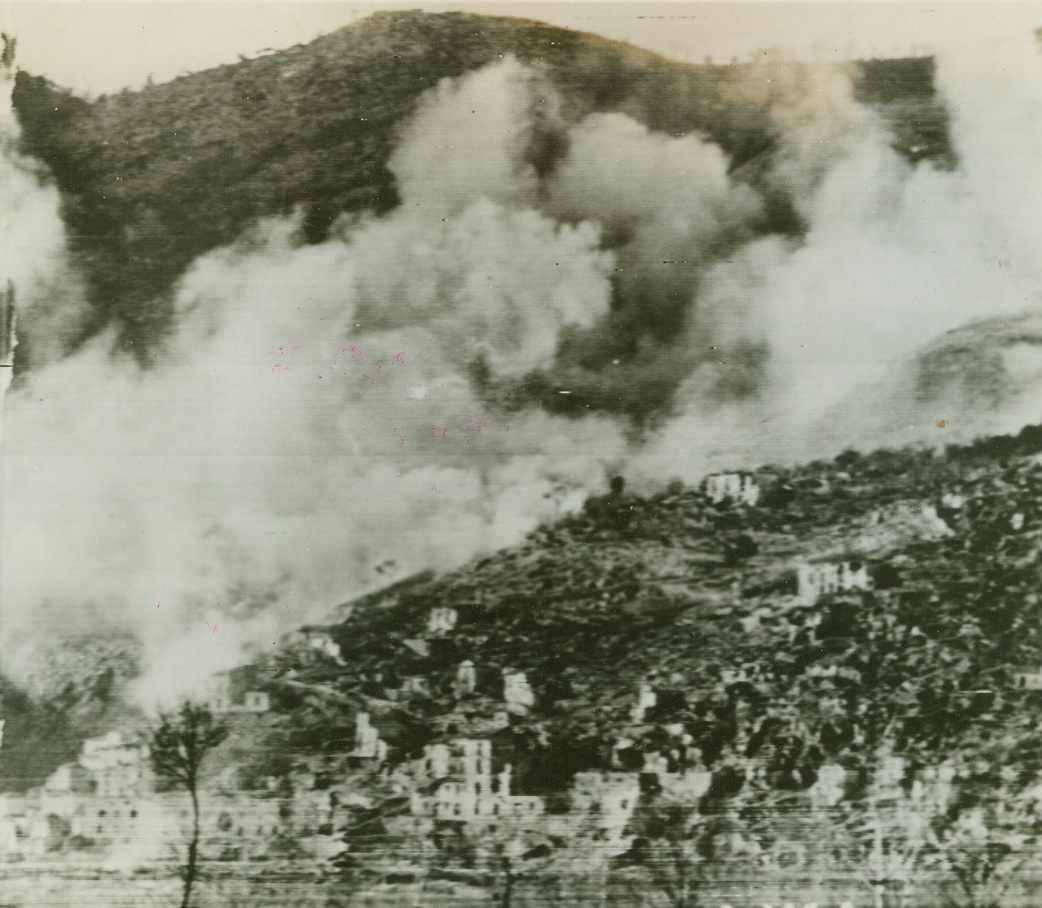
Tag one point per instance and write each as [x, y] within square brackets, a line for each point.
[214, 630]
[444, 431]
[399, 358]
[434, 488]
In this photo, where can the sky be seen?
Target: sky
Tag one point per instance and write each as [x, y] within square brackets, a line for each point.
[96, 46]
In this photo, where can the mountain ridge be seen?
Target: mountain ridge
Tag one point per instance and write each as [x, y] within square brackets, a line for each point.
[313, 127]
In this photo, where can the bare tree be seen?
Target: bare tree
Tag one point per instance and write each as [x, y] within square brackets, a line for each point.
[179, 744]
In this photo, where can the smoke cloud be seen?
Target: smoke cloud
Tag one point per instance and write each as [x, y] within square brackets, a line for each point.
[326, 418]
[312, 420]
[33, 255]
[909, 304]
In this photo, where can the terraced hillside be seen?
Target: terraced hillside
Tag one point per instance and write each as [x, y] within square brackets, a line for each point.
[759, 685]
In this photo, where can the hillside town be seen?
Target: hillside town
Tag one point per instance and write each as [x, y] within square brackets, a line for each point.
[471, 781]
[649, 415]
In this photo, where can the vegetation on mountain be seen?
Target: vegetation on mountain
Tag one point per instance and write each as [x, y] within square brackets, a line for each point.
[152, 179]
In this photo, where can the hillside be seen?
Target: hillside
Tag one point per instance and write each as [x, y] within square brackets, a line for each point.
[684, 594]
[683, 683]
[150, 180]
[758, 687]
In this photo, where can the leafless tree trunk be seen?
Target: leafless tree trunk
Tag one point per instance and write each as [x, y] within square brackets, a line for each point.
[193, 851]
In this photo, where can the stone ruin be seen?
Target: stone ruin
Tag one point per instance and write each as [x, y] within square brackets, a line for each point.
[817, 580]
[737, 488]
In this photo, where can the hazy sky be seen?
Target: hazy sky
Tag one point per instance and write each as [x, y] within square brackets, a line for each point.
[100, 46]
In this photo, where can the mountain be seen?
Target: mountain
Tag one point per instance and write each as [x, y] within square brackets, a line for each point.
[758, 632]
[987, 363]
[152, 179]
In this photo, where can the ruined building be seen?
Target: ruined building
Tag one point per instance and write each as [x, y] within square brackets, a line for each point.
[817, 580]
[368, 745]
[517, 693]
[646, 699]
[736, 488]
[104, 799]
[1028, 680]
[465, 788]
[230, 692]
[466, 679]
[442, 621]
[106, 803]
[119, 765]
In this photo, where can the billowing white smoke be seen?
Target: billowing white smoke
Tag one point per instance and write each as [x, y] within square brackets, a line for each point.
[314, 417]
[32, 240]
[995, 95]
[311, 420]
[672, 195]
[467, 141]
[490, 283]
[32, 229]
[895, 256]
[813, 109]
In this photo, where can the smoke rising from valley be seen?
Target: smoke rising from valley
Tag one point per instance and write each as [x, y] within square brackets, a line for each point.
[552, 303]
